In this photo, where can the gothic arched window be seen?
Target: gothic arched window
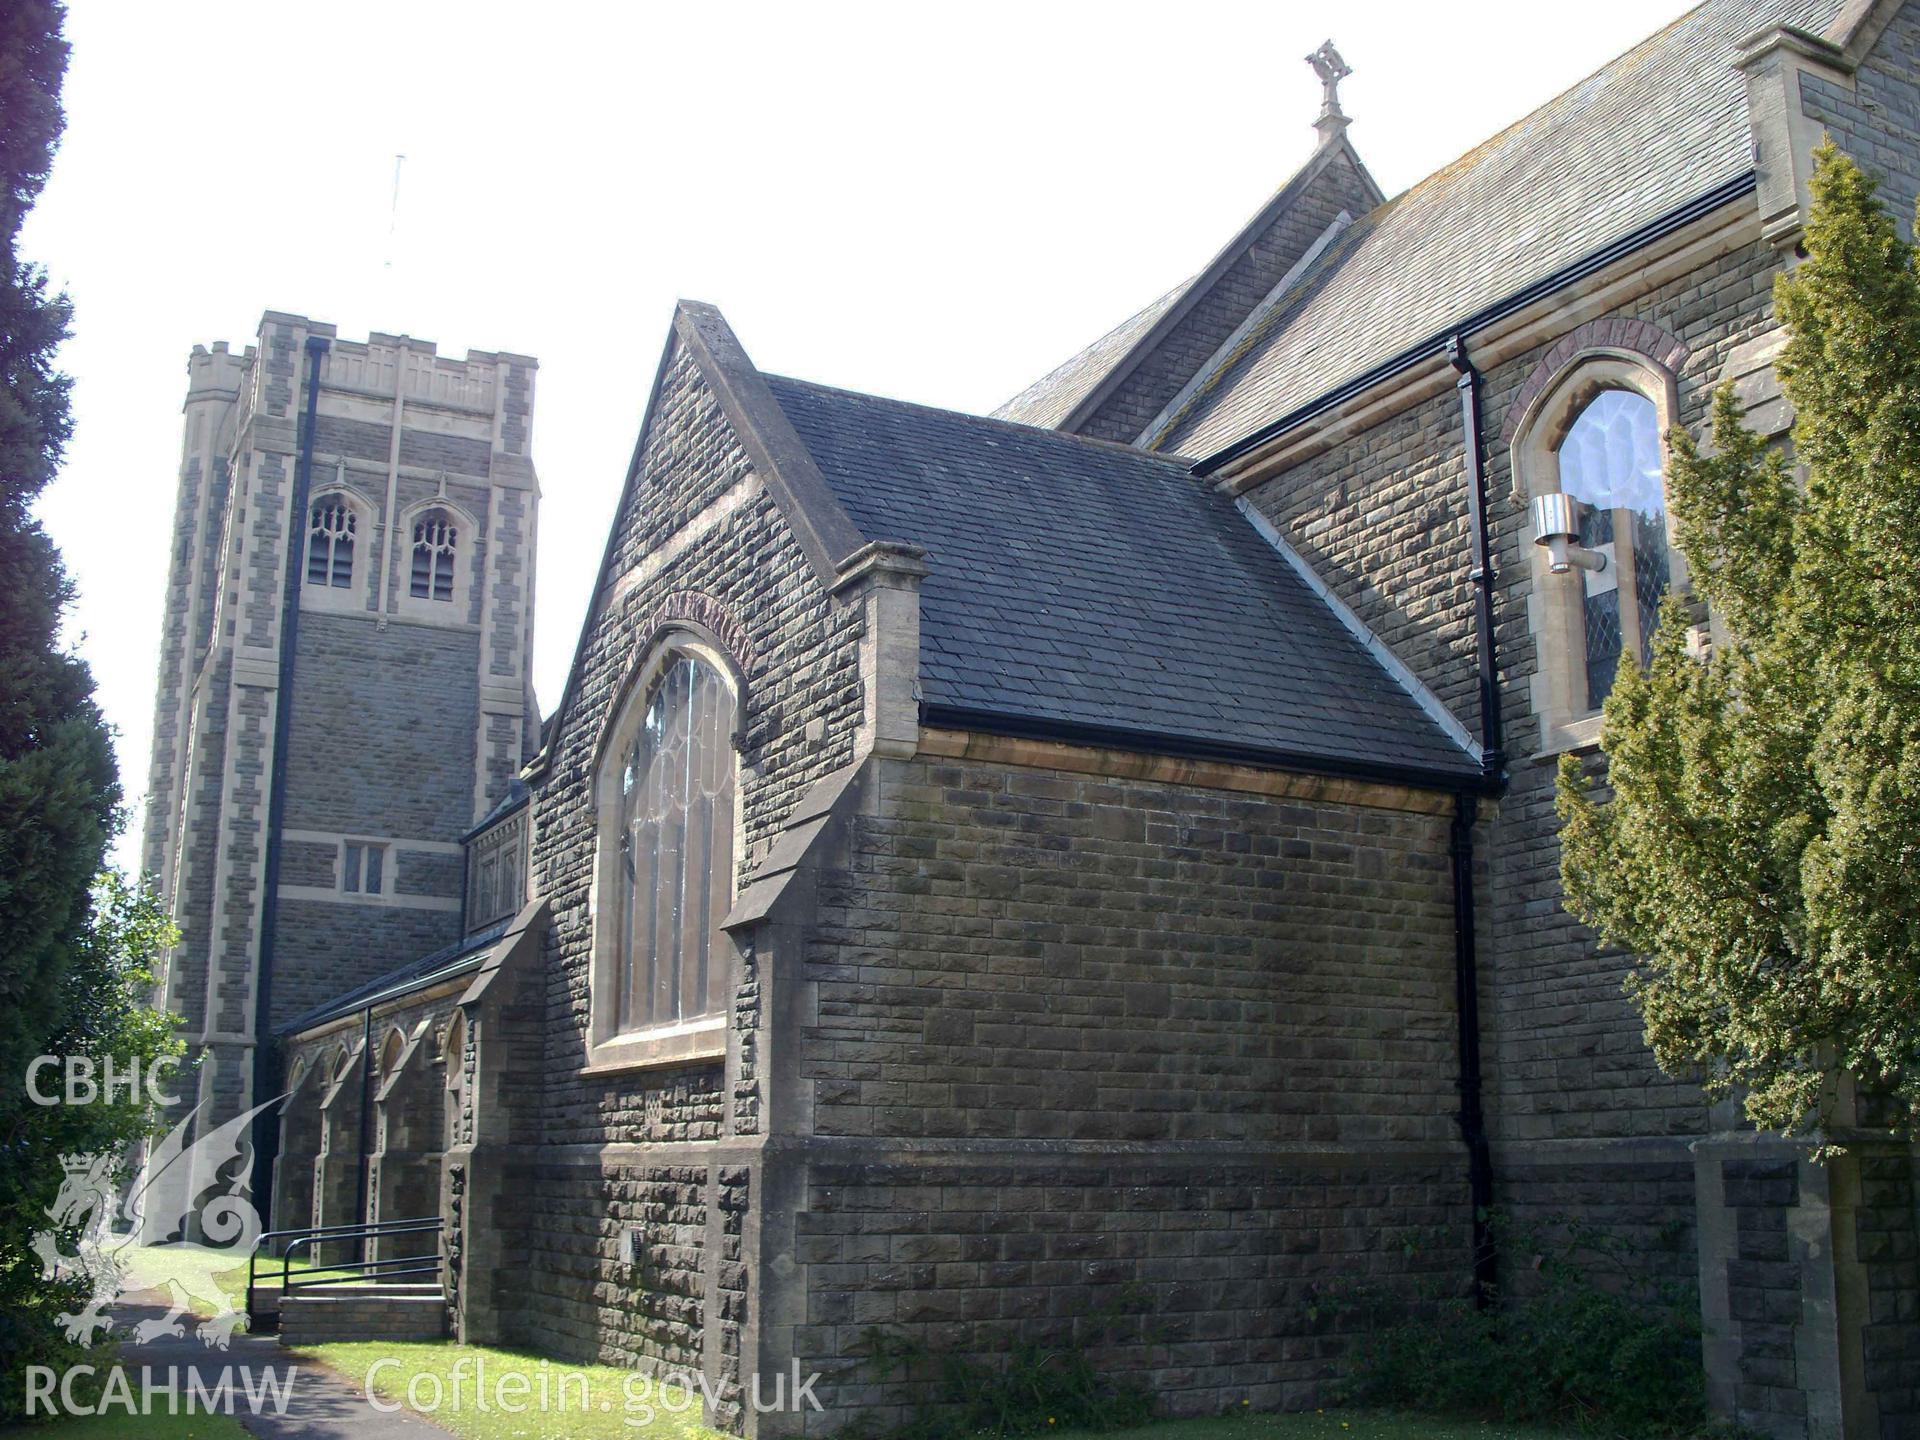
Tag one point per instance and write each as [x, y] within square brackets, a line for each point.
[331, 527]
[434, 536]
[456, 1078]
[1595, 436]
[674, 801]
[1610, 463]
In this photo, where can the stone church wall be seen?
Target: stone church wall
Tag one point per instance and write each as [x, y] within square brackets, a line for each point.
[1028, 954]
[803, 666]
[331, 948]
[1583, 1123]
[412, 685]
[1081, 1043]
[1212, 1279]
[1878, 120]
[196, 842]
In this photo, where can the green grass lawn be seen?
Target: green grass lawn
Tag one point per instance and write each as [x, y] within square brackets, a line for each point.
[593, 1406]
[1327, 1425]
[208, 1276]
[118, 1426]
[599, 1409]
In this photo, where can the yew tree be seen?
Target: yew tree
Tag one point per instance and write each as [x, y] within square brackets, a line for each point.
[1754, 837]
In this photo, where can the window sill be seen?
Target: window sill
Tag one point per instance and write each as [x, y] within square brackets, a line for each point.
[333, 599]
[1575, 735]
[441, 614]
[677, 1044]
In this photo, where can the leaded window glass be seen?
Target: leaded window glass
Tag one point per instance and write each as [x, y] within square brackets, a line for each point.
[676, 856]
[330, 534]
[1610, 462]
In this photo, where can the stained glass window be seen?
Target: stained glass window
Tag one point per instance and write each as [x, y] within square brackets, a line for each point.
[1610, 462]
[676, 848]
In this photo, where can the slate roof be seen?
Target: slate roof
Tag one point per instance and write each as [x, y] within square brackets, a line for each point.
[1052, 397]
[1080, 585]
[1662, 124]
[516, 796]
[463, 955]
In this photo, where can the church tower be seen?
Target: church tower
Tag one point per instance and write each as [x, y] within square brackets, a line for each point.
[344, 670]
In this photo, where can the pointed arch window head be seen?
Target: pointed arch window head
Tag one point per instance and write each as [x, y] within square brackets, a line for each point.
[1610, 463]
[331, 531]
[456, 1080]
[675, 848]
[1588, 457]
[435, 537]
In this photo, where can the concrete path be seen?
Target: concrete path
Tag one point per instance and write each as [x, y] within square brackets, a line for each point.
[320, 1404]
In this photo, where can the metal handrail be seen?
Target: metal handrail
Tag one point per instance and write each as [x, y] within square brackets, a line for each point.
[310, 1236]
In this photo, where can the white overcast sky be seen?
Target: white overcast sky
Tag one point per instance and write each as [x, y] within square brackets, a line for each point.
[933, 202]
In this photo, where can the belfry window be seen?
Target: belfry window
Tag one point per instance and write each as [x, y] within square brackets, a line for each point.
[1610, 463]
[330, 536]
[674, 848]
[434, 537]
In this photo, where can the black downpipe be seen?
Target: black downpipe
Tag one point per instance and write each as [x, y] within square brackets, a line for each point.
[1466, 994]
[1466, 960]
[266, 1125]
[366, 1120]
[1493, 760]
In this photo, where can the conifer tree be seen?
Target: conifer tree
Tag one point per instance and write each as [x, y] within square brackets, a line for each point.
[77, 948]
[1759, 849]
[57, 782]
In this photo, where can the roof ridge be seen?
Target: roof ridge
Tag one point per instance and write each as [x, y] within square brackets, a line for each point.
[1202, 284]
[1141, 315]
[1654, 137]
[1263, 324]
[1046, 432]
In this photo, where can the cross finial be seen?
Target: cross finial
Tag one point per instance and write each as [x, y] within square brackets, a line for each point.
[1331, 69]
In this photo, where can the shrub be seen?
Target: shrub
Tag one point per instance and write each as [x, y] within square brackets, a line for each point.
[1029, 1385]
[1592, 1342]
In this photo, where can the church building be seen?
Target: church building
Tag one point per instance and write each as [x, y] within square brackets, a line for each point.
[982, 866]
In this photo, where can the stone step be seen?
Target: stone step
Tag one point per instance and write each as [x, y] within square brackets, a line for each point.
[266, 1293]
[346, 1312]
[372, 1287]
